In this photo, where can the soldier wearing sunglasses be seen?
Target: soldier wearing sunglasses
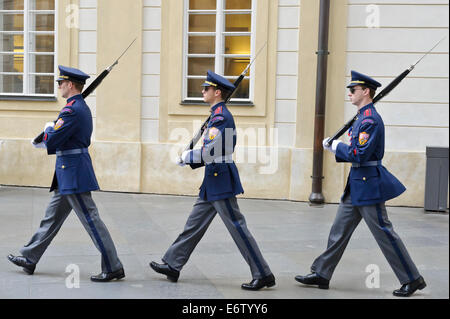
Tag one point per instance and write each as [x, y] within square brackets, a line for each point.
[368, 187]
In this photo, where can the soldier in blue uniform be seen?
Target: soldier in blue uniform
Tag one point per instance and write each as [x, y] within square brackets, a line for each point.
[74, 179]
[218, 192]
[368, 187]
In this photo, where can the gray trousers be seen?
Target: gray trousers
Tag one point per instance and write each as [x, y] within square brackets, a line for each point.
[57, 211]
[375, 216]
[198, 222]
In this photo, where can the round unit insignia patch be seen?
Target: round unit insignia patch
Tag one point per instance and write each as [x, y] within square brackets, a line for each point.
[363, 138]
[59, 124]
[213, 132]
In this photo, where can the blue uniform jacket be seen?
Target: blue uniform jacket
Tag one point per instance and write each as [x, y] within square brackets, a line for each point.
[368, 185]
[221, 178]
[74, 174]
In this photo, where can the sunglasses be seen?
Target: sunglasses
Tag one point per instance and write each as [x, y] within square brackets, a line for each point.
[353, 89]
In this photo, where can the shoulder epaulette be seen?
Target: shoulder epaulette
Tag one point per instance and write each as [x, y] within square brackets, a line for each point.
[368, 112]
[67, 108]
[219, 110]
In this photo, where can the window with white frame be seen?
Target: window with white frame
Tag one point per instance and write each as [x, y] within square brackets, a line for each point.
[218, 37]
[27, 47]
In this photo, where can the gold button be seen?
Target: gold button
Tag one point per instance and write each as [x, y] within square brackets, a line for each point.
[364, 178]
[215, 174]
[63, 167]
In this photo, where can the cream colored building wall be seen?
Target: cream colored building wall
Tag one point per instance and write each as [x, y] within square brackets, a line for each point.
[116, 151]
[302, 154]
[416, 112]
[287, 71]
[87, 51]
[151, 70]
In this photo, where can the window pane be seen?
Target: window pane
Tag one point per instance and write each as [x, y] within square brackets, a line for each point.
[242, 92]
[199, 66]
[238, 22]
[202, 45]
[235, 66]
[202, 23]
[11, 42]
[11, 5]
[195, 87]
[238, 4]
[42, 43]
[11, 83]
[237, 45]
[42, 4]
[42, 84]
[42, 63]
[11, 63]
[11, 22]
[42, 22]
[202, 4]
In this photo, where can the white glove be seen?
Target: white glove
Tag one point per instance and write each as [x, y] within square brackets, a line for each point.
[180, 162]
[334, 146]
[39, 145]
[49, 124]
[325, 145]
[185, 155]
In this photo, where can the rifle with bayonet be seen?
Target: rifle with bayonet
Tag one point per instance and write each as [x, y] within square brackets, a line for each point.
[236, 84]
[381, 95]
[91, 88]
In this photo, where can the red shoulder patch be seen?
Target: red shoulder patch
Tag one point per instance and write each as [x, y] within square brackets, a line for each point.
[368, 112]
[219, 110]
[71, 103]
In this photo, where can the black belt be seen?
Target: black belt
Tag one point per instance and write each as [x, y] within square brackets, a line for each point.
[72, 152]
[367, 164]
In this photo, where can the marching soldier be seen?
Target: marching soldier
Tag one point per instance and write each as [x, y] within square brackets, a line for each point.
[368, 187]
[73, 181]
[218, 192]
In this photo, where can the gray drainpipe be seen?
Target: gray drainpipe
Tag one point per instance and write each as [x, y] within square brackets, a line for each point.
[316, 197]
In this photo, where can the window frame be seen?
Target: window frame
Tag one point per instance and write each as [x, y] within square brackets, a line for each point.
[219, 54]
[27, 66]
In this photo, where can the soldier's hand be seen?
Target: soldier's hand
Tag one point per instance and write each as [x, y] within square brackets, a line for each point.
[334, 146]
[49, 124]
[39, 145]
[184, 156]
[180, 162]
[325, 145]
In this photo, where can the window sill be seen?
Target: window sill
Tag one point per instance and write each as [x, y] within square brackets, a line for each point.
[28, 98]
[199, 103]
